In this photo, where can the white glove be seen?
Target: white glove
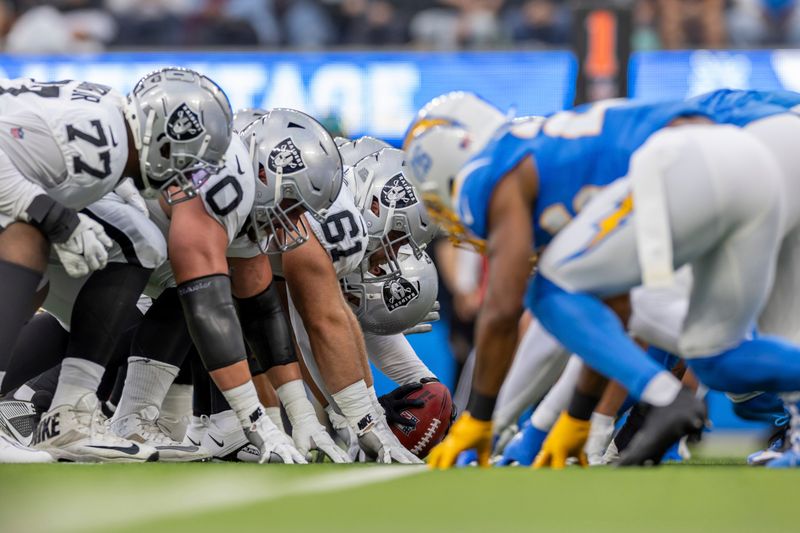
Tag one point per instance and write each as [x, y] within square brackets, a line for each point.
[86, 249]
[130, 195]
[600, 434]
[308, 434]
[424, 325]
[345, 437]
[378, 441]
[275, 445]
[311, 435]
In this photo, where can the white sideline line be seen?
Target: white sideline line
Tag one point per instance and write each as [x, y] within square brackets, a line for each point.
[105, 507]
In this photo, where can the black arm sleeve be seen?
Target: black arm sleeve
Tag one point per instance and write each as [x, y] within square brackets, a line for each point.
[266, 329]
[212, 321]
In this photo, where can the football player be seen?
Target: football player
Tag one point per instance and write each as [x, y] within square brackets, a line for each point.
[282, 144]
[577, 134]
[68, 144]
[335, 248]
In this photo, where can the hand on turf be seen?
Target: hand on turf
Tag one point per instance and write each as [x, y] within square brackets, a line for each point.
[466, 433]
[565, 440]
[275, 445]
[86, 249]
[379, 443]
[345, 436]
[395, 402]
[311, 435]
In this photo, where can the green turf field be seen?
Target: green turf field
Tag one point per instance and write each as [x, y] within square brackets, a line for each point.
[222, 498]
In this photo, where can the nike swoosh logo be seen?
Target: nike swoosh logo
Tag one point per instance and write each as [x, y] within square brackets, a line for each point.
[130, 450]
[239, 166]
[193, 441]
[217, 442]
[113, 140]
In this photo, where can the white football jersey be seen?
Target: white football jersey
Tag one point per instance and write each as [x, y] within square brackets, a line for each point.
[228, 197]
[343, 235]
[68, 136]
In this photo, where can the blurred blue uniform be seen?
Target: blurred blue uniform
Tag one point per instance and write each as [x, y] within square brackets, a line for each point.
[576, 153]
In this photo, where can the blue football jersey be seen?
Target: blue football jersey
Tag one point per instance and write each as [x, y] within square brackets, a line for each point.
[740, 108]
[576, 153]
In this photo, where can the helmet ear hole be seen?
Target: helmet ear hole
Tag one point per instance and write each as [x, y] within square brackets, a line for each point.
[262, 174]
[165, 150]
[375, 206]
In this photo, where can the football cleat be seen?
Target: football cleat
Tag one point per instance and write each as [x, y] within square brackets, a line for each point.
[18, 420]
[789, 459]
[79, 433]
[145, 428]
[224, 438]
[778, 443]
[196, 430]
[523, 447]
[662, 427]
[11, 451]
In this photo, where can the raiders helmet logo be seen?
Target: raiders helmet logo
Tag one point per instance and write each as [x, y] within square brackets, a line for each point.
[286, 156]
[398, 192]
[399, 293]
[184, 124]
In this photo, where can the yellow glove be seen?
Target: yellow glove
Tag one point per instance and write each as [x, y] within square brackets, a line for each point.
[565, 440]
[467, 433]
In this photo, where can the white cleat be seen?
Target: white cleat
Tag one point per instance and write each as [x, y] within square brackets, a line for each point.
[196, 430]
[18, 420]
[145, 428]
[225, 439]
[12, 451]
[79, 433]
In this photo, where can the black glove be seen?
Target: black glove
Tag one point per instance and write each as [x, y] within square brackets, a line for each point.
[395, 402]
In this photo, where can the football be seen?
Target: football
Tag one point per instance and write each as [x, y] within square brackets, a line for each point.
[432, 419]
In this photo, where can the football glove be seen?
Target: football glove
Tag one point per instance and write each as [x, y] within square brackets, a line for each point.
[86, 249]
[130, 195]
[308, 434]
[275, 445]
[345, 436]
[566, 439]
[380, 444]
[466, 433]
[425, 325]
[395, 402]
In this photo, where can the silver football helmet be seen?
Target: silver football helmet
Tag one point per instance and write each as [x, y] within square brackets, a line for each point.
[299, 170]
[393, 211]
[354, 151]
[181, 124]
[245, 116]
[394, 305]
[357, 149]
[340, 140]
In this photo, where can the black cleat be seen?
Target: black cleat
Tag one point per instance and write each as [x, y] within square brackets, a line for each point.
[662, 427]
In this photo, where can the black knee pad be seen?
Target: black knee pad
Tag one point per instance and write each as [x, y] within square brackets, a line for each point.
[162, 334]
[212, 321]
[266, 329]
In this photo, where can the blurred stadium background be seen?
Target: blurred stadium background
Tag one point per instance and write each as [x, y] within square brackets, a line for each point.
[365, 66]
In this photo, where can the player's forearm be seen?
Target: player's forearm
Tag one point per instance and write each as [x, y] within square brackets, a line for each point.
[335, 351]
[394, 356]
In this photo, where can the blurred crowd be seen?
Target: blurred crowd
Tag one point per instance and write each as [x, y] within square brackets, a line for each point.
[38, 26]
